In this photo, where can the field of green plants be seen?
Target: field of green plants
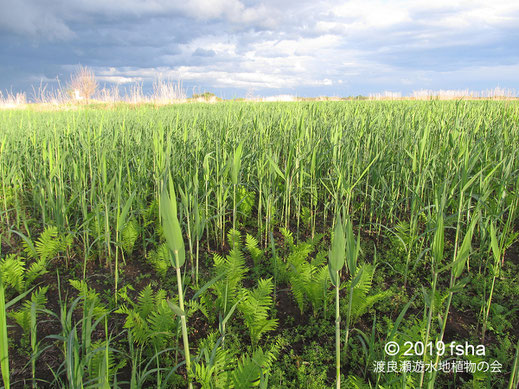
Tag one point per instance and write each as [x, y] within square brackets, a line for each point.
[270, 245]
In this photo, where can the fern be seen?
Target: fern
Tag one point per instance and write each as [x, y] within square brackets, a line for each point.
[255, 307]
[251, 244]
[47, 247]
[162, 324]
[23, 315]
[151, 214]
[250, 369]
[159, 260]
[233, 266]
[12, 269]
[317, 288]
[211, 368]
[198, 305]
[353, 382]
[306, 216]
[361, 302]
[146, 302]
[403, 235]
[138, 326]
[50, 243]
[130, 234]
[150, 318]
[308, 280]
[90, 297]
[300, 276]
[234, 239]
[97, 365]
[36, 269]
[288, 237]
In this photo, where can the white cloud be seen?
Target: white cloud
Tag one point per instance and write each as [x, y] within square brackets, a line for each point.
[275, 45]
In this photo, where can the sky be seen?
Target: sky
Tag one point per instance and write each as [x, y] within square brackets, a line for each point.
[238, 48]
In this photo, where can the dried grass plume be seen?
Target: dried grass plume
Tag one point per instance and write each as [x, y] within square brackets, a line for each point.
[83, 84]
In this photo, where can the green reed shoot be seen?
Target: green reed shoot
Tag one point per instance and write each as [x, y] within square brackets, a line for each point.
[173, 234]
[335, 264]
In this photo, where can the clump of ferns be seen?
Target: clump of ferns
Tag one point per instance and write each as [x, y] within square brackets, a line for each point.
[149, 319]
[218, 367]
[255, 305]
[231, 271]
[362, 299]
[228, 293]
[307, 274]
[20, 271]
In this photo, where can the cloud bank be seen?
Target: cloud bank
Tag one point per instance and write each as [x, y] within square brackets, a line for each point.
[238, 47]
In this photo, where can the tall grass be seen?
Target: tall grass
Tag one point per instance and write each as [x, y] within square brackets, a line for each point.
[412, 169]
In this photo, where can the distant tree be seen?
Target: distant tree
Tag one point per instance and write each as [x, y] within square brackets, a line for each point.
[83, 83]
[205, 95]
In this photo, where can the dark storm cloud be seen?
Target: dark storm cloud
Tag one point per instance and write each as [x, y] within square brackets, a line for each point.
[292, 46]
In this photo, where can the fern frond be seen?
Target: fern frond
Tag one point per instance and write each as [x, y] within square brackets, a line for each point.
[160, 296]
[218, 261]
[29, 248]
[361, 300]
[353, 382]
[361, 306]
[299, 279]
[159, 259]
[250, 368]
[138, 327]
[90, 297]
[236, 269]
[23, 315]
[214, 363]
[317, 288]
[245, 201]
[37, 268]
[146, 302]
[130, 233]
[251, 245]
[48, 244]
[255, 308]
[198, 305]
[12, 269]
[308, 280]
[98, 363]
[162, 324]
[233, 265]
[246, 374]
[300, 252]
[234, 239]
[288, 237]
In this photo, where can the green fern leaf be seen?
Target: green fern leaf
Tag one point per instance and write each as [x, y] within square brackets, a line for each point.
[48, 244]
[251, 245]
[288, 237]
[159, 260]
[234, 239]
[37, 268]
[130, 234]
[12, 269]
[255, 308]
[23, 315]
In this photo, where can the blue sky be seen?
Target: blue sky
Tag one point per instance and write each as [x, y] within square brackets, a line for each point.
[244, 47]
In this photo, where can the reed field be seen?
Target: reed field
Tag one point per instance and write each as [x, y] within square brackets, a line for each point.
[273, 245]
